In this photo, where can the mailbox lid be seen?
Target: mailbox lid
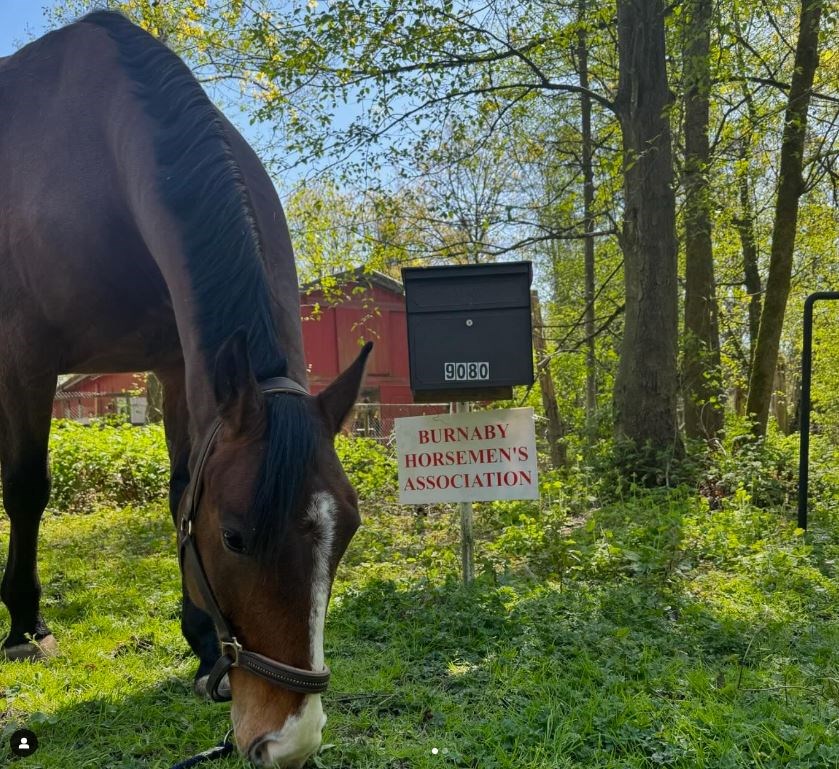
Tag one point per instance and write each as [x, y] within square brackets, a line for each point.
[467, 287]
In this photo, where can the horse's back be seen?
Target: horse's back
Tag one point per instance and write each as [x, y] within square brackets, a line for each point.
[76, 275]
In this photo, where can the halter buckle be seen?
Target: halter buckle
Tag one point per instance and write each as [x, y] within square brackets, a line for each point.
[233, 644]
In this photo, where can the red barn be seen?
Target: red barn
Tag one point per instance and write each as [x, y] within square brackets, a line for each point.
[86, 396]
[363, 307]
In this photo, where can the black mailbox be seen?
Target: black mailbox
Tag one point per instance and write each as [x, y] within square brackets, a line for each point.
[469, 330]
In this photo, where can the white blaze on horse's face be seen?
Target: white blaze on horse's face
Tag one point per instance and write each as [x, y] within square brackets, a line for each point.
[321, 514]
[300, 736]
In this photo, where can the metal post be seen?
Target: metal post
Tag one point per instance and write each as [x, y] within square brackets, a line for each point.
[806, 378]
[467, 536]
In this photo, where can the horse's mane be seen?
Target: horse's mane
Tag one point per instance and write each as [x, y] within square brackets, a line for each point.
[201, 182]
[202, 185]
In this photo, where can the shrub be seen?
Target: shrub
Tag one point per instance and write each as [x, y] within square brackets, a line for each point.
[106, 464]
[370, 466]
[119, 464]
[765, 468]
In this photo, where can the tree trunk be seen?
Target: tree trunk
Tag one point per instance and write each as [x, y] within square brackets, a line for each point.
[646, 381]
[745, 224]
[556, 430]
[701, 365]
[790, 189]
[588, 227]
[154, 398]
[780, 408]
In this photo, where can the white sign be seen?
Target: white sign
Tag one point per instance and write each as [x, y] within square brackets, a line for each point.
[138, 405]
[472, 457]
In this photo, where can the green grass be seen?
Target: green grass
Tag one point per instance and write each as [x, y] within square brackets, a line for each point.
[649, 633]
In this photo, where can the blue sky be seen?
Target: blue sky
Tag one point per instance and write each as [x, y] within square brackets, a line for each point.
[20, 21]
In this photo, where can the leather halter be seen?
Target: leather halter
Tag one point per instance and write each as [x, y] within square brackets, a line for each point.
[232, 652]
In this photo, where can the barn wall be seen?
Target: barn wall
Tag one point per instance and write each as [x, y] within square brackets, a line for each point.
[333, 335]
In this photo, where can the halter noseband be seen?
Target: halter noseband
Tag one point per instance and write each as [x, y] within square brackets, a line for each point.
[232, 652]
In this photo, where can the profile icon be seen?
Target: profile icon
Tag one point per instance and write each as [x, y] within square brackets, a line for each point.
[23, 742]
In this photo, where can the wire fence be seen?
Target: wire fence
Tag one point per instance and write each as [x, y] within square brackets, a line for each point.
[369, 420]
[377, 420]
[81, 406]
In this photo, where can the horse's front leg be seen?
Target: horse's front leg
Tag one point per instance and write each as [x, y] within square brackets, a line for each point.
[196, 625]
[25, 414]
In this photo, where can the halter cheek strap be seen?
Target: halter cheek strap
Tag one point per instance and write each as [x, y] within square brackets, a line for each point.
[232, 653]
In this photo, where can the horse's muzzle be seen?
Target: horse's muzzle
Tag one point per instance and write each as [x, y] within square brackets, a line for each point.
[268, 752]
[296, 741]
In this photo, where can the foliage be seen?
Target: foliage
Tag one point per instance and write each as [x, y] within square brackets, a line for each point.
[766, 469]
[370, 466]
[106, 464]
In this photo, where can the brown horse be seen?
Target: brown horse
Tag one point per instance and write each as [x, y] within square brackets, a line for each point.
[138, 231]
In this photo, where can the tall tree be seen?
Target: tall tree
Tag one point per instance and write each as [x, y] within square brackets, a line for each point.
[701, 364]
[745, 224]
[556, 429]
[588, 220]
[745, 219]
[790, 189]
[646, 382]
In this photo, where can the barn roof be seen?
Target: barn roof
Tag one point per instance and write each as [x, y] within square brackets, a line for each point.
[360, 275]
[66, 382]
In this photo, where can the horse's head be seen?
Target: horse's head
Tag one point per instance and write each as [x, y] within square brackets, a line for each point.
[275, 513]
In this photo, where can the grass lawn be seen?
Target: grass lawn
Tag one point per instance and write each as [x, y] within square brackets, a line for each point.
[650, 633]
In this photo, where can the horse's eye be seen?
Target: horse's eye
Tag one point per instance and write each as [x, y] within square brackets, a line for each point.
[233, 541]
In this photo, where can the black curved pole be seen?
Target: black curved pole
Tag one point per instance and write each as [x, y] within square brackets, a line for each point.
[806, 378]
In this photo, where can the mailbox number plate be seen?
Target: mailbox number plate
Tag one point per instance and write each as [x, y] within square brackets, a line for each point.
[465, 371]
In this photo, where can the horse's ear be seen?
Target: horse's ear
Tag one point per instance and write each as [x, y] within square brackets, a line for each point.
[337, 400]
[236, 390]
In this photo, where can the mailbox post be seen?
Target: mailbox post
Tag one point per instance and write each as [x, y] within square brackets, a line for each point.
[469, 338]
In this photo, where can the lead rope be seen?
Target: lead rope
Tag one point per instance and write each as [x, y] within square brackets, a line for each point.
[223, 749]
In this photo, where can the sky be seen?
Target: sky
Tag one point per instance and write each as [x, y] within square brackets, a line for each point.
[20, 21]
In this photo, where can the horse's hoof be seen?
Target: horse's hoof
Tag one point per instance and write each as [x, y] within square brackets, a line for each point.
[200, 687]
[34, 651]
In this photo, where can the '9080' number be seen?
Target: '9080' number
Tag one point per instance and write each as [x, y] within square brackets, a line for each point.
[465, 371]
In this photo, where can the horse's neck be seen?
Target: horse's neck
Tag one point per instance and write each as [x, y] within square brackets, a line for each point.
[200, 396]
